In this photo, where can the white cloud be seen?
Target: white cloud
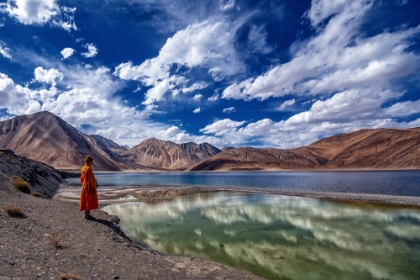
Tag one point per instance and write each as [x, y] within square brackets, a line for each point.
[338, 58]
[221, 127]
[346, 106]
[40, 12]
[197, 110]
[229, 110]
[67, 52]
[197, 97]
[285, 104]
[402, 109]
[227, 5]
[91, 50]
[50, 76]
[208, 45]
[214, 97]
[5, 51]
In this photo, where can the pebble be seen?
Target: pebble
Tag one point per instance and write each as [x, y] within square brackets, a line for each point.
[12, 263]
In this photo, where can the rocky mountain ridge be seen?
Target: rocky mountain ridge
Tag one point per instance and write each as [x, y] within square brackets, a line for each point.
[363, 149]
[169, 155]
[49, 139]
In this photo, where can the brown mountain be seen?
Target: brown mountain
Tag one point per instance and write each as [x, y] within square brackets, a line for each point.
[375, 148]
[168, 155]
[109, 144]
[248, 158]
[370, 148]
[49, 139]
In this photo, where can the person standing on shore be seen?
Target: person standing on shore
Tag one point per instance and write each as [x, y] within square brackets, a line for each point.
[88, 196]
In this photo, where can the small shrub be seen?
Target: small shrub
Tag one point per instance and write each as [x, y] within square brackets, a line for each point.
[56, 241]
[14, 211]
[1, 153]
[20, 184]
[36, 194]
[69, 276]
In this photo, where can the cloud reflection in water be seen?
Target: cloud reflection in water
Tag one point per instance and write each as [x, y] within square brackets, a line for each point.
[278, 236]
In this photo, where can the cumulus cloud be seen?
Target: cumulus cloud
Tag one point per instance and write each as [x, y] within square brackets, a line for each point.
[197, 110]
[5, 51]
[338, 58]
[50, 76]
[207, 45]
[40, 12]
[221, 127]
[229, 110]
[67, 52]
[92, 50]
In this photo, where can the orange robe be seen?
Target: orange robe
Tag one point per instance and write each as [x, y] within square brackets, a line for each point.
[88, 197]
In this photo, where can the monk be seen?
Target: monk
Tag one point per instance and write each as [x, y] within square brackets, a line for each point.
[88, 197]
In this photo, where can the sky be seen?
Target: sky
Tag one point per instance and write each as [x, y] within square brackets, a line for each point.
[266, 73]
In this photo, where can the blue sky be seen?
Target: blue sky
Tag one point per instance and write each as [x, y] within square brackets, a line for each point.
[228, 72]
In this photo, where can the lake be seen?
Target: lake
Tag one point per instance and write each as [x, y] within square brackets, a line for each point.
[275, 236]
[280, 237]
[406, 183]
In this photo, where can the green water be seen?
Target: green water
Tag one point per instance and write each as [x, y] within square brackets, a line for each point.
[279, 237]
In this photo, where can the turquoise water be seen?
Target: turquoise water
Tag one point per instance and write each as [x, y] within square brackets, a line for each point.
[374, 182]
[280, 237]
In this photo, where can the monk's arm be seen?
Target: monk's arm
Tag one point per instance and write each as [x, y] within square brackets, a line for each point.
[90, 178]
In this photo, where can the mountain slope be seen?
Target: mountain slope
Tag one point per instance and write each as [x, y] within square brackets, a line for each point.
[374, 148]
[168, 155]
[49, 139]
[249, 158]
[108, 144]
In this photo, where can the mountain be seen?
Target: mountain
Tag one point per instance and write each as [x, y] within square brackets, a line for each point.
[363, 149]
[370, 148]
[168, 155]
[248, 158]
[109, 144]
[49, 139]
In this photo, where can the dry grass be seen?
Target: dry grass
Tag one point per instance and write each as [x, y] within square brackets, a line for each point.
[36, 194]
[69, 276]
[14, 211]
[56, 241]
[21, 184]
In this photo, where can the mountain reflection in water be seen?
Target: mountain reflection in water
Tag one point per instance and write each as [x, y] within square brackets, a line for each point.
[281, 237]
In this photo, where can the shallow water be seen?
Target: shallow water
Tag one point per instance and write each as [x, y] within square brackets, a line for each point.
[280, 237]
[405, 183]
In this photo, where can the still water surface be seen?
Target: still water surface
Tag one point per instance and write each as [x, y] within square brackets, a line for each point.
[374, 182]
[280, 237]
